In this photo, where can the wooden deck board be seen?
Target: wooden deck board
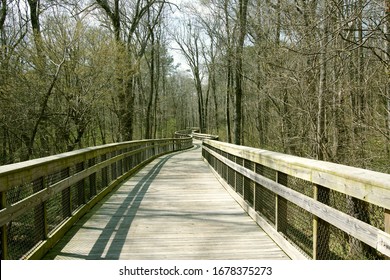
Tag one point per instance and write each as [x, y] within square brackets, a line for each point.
[174, 208]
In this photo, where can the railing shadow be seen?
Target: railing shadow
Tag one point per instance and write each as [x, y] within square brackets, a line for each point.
[121, 220]
[111, 240]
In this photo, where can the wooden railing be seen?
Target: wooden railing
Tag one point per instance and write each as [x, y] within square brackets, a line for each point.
[42, 198]
[202, 136]
[312, 209]
[194, 134]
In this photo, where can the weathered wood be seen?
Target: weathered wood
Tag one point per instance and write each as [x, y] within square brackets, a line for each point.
[202, 136]
[174, 208]
[366, 185]
[315, 227]
[368, 234]
[387, 223]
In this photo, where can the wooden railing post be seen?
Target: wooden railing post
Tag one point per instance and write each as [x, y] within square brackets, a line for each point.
[105, 171]
[387, 224]
[39, 212]
[315, 226]
[66, 198]
[254, 188]
[45, 221]
[321, 233]
[281, 205]
[92, 178]
[4, 238]
[235, 176]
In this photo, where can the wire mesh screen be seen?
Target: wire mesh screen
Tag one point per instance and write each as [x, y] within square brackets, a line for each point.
[127, 160]
[341, 245]
[265, 200]
[249, 185]
[231, 172]
[77, 192]
[295, 223]
[265, 203]
[23, 191]
[28, 229]
[114, 174]
[105, 172]
[55, 213]
[224, 167]
[239, 178]
[25, 232]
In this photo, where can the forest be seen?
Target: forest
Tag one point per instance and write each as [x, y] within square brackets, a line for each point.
[304, 77]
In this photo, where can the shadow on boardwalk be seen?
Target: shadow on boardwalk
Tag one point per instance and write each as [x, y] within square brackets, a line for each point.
[120, 222]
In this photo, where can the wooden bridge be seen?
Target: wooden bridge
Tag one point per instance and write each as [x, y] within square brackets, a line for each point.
[183, 198]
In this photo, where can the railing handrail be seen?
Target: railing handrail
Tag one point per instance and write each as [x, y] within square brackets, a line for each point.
[368, 186]
[196, 135]
[203, 136]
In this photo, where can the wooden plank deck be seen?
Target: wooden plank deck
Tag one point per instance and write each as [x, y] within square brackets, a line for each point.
[174, 208]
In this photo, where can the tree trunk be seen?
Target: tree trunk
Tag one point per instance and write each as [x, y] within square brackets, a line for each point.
[214, 94]
[228, 93]
[3, 14]
[242, 22]
[229, 75]
[387, 58]
[321, 129]
[149, 123]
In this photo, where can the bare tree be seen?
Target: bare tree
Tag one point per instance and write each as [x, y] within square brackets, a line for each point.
[242, 23]
[190, 45]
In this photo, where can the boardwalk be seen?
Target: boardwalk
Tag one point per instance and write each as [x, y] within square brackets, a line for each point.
[174, 208]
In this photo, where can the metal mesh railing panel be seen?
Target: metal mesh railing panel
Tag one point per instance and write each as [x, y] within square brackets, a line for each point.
[23, 191]
[301, 186]
[294, 222]
[239, 183]
[340, 244]
[77, 195]
[265, 203]
[58, 206]
[249, 185]
[77, 191]
[231, 177]
[25, 232]
[57, 176]
[224, 167]
[105, 172]
[55, 213]
[265, 199]
[335, 244]
[266, 172]
[297, 226]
